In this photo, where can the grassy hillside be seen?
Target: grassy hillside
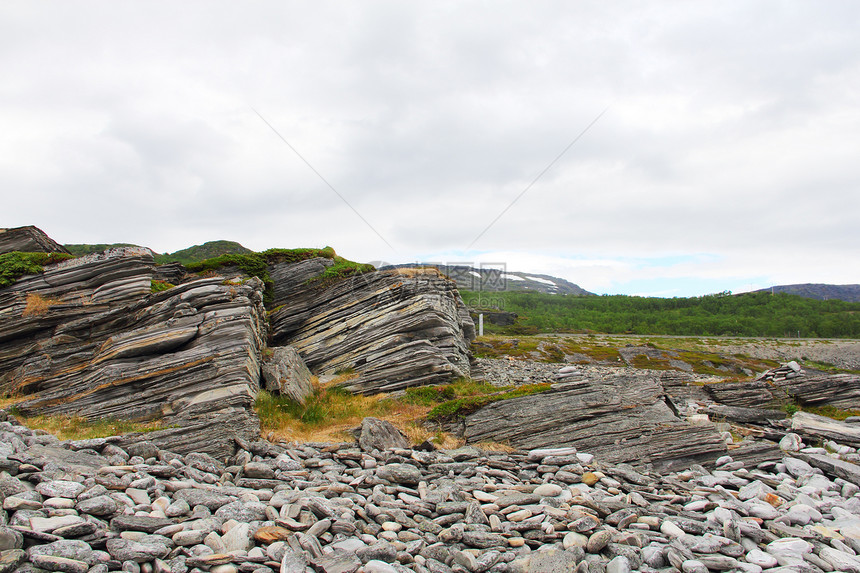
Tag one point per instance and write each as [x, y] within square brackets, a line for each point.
[199, 253]
[750, 314]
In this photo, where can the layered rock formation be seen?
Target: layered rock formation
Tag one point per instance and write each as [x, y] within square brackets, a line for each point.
[395, 328]
[626, 417]
[838, 390]
[87, 338]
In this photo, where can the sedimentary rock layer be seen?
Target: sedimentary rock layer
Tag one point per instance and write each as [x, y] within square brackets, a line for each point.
[87, 338]
[838, 390]
[28, 239]
[395, 328]
[626, 418]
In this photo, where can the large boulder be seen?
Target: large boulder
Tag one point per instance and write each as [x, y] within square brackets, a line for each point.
[376, 434]
[285, 373]
[87, 337]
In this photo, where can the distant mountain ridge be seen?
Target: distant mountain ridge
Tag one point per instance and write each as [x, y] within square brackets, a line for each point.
[498, 280]
[818, 291]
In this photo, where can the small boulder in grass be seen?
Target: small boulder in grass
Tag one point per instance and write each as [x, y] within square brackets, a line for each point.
[376, 434]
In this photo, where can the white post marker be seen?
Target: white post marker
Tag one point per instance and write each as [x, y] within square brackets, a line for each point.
[481, 324]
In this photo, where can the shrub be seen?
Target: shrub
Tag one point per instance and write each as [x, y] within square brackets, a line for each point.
[16, 264]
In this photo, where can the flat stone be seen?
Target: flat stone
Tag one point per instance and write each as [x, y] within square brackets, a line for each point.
[52, 563]
[548, 490]
[61, 488]
[76, 529]
[271, 534]
[49, 524]
[553, 560]
[399, 473]
[143, 523]
[10, 559]
[210, 499]
[189, 537]
[138, 551]
[337, 561]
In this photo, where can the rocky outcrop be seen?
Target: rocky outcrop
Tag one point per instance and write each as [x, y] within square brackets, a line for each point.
[88, 338]
[838, 390]
[626, 418]
[395, 329]
[28, 239]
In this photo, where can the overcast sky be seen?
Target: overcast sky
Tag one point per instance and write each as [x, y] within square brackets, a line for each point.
[727, 155]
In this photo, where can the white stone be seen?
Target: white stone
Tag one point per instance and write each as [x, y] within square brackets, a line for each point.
[49, 524]
[573, 539]
[693, 566]
[520, 515]
[760, 558]
[791, 546]
[484, 497]
[801, 514]
[238, 538]
[548, 490]
[840, 560]
[139, 496]
[797, 467]
[619, 564]
[377, 566]
[670, 529]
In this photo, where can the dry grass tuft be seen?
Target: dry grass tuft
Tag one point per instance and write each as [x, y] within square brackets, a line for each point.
[413, 272]
[76, 428]
[37, 305]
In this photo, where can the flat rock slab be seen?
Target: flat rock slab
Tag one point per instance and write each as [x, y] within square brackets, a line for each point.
[139, 523]
[822, 427]
[847, 471]
[623, 419]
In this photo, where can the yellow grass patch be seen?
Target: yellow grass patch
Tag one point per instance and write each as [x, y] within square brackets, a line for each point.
[37, 305]
[77, 428]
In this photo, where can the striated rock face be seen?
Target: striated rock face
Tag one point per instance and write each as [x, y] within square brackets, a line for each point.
[625, 418]
[838, 390]
[87, 338]
[396, 328]
[28, 239]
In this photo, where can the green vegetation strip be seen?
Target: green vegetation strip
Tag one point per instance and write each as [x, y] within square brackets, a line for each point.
[461, 407]
[257, 265]
[757, 314]
[16, 264]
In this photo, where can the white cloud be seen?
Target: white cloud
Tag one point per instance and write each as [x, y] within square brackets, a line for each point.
[732, 130]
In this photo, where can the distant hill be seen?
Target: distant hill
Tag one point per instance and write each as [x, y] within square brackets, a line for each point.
[199, 253]
[193, 254]
[496, 280]
[81, 249]
[848, 293]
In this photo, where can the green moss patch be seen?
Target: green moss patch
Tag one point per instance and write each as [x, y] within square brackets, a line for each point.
[461, 407]
[16, 264]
